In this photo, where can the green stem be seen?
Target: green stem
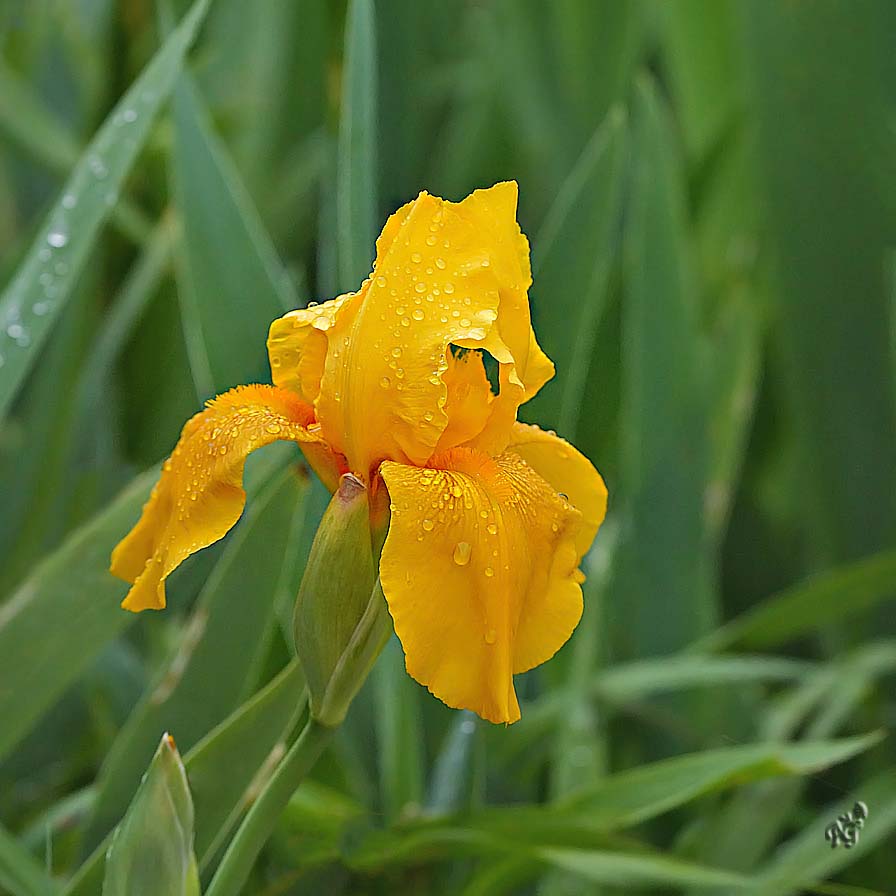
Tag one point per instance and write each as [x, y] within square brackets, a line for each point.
[259, 822]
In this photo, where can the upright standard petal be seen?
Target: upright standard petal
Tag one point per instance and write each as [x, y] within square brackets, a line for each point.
[568, 471]
[199, 496]
[446, 274]
[298, 345]
[480, 573]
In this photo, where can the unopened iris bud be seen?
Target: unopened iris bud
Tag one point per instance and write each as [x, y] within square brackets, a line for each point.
[341, 620]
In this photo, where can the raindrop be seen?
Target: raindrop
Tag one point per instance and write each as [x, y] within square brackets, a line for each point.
[129, 115]
[420, 287]
[405, 321]
[15, 331]
[440, 264]
[57, 238]
[418, 314]
[468, 726]
[489, 572]
[431, 240]
[69, 200]
[44, 254]
[492, 529]
[465, 322]
[491, 635]
[428, 417]
[97, 166]
[462, 551]
[416, 258]
[385, 382]
[273, 428]
[428, 525]
[396, 352]
[449, 288]
[41, 308]
[381, 281]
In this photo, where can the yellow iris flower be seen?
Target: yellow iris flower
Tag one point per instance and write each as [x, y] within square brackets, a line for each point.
[488, 518]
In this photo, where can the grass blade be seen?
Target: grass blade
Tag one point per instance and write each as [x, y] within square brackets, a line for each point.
[38, 292]
[233, 284]
[72, 586]
[356, 182]
[574, 251]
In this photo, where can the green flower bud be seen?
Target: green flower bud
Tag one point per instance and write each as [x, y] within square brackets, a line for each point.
[152, 849]
[341, 620]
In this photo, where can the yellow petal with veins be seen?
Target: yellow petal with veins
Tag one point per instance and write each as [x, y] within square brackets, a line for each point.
[446, 273]
[568, 471]
[199, 496]
[479, 570]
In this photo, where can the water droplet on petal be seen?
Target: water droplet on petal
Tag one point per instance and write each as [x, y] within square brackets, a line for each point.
[428, 525]
[491, 635]
[440, 264]
[449, 288]
[489, 572]
[431, 240]
[420, 287]
[385, 382]
[381, 280]
[462, 551]
[492, 529]
[418, 314]
[416, 258]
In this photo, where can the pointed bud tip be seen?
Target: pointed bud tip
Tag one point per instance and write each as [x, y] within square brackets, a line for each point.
[350, 487]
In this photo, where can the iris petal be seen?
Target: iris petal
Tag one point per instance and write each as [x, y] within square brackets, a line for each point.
[480, 572]
[568, 471]
[199, 496]
[446, 274]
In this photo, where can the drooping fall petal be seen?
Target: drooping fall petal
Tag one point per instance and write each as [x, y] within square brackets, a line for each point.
[446, 274]
[568, 471]
[479, 570]
[199, 496]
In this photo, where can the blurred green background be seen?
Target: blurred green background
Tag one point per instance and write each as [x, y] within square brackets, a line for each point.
[708, 187]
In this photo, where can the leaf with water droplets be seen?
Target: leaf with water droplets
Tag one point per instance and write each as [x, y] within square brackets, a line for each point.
[40, 288]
